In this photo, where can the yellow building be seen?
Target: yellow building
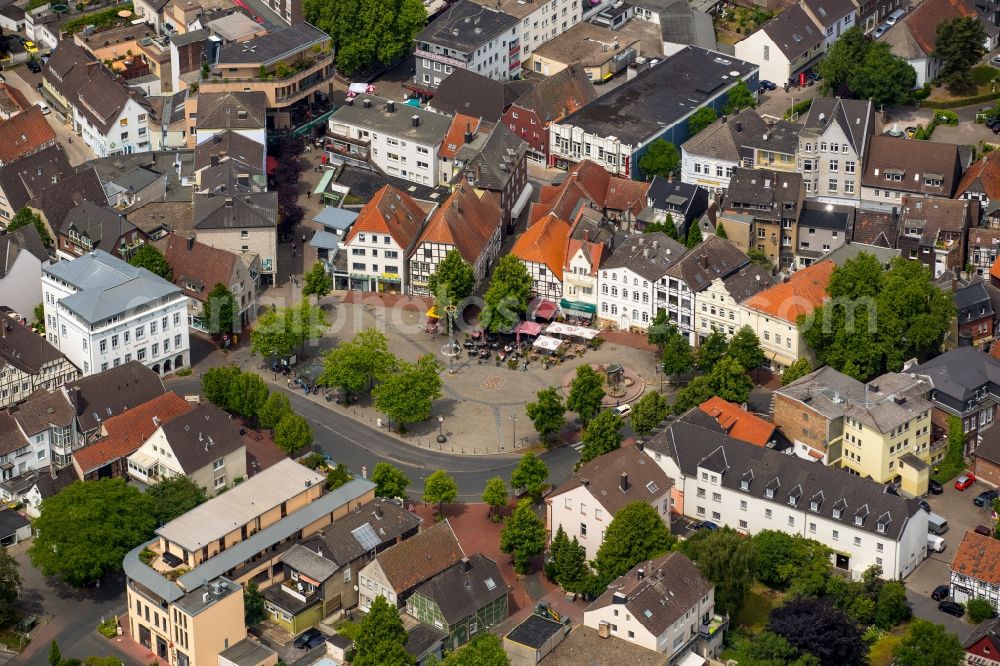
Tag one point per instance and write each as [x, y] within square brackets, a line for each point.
[184, 588]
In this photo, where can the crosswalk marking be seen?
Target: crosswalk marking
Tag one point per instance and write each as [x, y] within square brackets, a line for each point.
[578, 447]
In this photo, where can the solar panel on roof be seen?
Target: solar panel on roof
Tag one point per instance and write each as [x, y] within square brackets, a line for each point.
[366, 536]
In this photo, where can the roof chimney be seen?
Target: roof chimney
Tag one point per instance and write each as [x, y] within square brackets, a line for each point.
[466, 565]
[190, 243]
[640, 574]
[415, 120]
[624, 482]
[468, 132]
[390, 106]
[367, 103]
[229, 202]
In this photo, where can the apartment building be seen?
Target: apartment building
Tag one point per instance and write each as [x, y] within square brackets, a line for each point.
[822, 228]
[633, 282]
[832, 145]
[246, 225]
[601, 52]
[32, 432]
[24, 256]
[467, 35]
[89, 227]
[772, 200]
[496, 161]
[934, 231]
[29, 362]
[717, 307]
[101, 312]
[111, 118]
[541, 248]
[397, 139]
[539, 22]
[184, 587]
[785, 46]
[896, 166]
[584, 505]
[751, 488]
[585, 251]
[241, 112]
[681, 203]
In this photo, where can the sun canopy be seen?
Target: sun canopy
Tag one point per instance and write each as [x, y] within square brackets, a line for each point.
[544, 309]
[557, 328]
[528, 328]
[547, 343]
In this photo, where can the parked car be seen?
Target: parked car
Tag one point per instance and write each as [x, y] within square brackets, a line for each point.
[940, 593]
[315, 641]
[982, 529]
[767, 85]
[995, 60]
[964, 481]
[934, 487]
[705, 525]
[881, 30]
[43, 106]
[30, 47]
[623, 410]
[952, 608]
[34, 66]
[306, 637]
[985, 497]
[925, 506]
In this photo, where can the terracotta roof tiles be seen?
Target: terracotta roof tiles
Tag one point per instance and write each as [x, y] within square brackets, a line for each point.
[978, 557]
[465, 220]
[391, 212]
[984, 174]
[24, 134]
[802, 293]
[738, 422]
[421, 557]
[544, 243]
[455, 137]
[193, 262]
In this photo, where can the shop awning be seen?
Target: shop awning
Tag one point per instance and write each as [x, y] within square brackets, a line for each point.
[558, 328]
[579, 306]
[339, 219]
[544, 309]
[528, 328]
[324, 182]
[546, 343]
[522, 200]
[324, 240]
[579, 314]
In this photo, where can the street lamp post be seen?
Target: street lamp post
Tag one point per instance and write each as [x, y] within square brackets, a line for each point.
[513, 430]
[659, 374]
[441, 438]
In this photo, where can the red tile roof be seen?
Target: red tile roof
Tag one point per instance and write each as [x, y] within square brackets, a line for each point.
[804, 291]
[192, 261]
[987, 172]
[455, 137]
[923, 21]
[544, 243]
[465, 220]
[390, 212]
[978, 557]
[125, 433]
[738, 422]
[23, 134]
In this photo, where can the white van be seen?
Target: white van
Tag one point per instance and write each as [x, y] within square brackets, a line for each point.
[895, 16]
[623, 410]
[935, 543]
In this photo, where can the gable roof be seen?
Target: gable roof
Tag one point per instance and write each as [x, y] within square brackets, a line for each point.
[933, 217]
[99, 397]
[455, 138]
[855, 117]
[555, 97]
[802, 293]
[390, 212]
[714, 258]
[43, 409]
[828, 12]
[465, 220]
[200, 436]
[919, 27]
[982, 177]
[420, 557]
[125, 433]
[11, 438]
[989, 630]
[916, 160]
[872, 227]
[24, 133]
[603, 476]
[747, 281]
[738, 422]
[230, 145]
[491, 162]
[978, 557]
[13, 243]
[240, 211]
[469, 93]
[195, 263]
[465, 587]
[59, 198]
[793, 32]
[383, 518]
[28, 176]
[232, 110]
[102, 225]
[544, 242]
[24, 349]
[102, 98]
[959, 372]
[650, 255]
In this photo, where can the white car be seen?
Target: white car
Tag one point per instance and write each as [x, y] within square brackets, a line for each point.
[623, 410]
[995, 61]
[881, 30]
[43, 106]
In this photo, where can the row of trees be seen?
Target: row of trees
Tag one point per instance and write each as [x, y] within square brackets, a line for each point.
[691, 240]
[280, 331]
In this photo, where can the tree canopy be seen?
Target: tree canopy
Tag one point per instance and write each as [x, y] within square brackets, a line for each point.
[602, 435]
[929, 644]
[781, 557]
[701, 119]
[453, 279]
[568, 563]
[292, 433]
[357, 364]
[85, 530]
[694, 237]
[381, 639]
[744, 348]
[174, 497]
[727, 380]
[770, 649]
[635, 534]
[649, 412]
[27, 217]
[495, 495]
[218, 314]
[275, 408]
[508, 295]
[389, 481]
[152, 260]
[586, 393]
[797, 370]
[739, 97]
[483, 650]
[318, 282]
[254, 607]
[816, 626]
[959, 44]
[216, 382]
[277, 332]
[660, 159]
[523, 536]
[547, 413]
[726, 558]
[247, 395]
[711, 350]
[10, 588]
[530, 475]
[440, 489]
[861, 68]
[407, 395]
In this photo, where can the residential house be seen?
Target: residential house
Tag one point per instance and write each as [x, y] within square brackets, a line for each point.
[371, 132]
[538, 24]
[27, 177]
[244, 224]
[242, 112]
[680, 202]
[248, 652]
[14, 528]
[966, 384]
[467, 222]
[616, 129]
[468, 93]
[227, 146]
[123, 434]
[586, 503]
[99, 397]
[914, 37]
[717, 307]
[111, 118]
[469, 36]
[601, 52]
[876, 228]
[741, 424]
[785, 46]
[197, 268]
[288, 65]
[663, 604]
[974, 570]
[773, 313]
[22, 258]
[89, 227]
[752, 488]
[203, 444]
[57, 200]
[465, 600]
[834, 17]
[898, 166]
[772, 202]
[30, 488]
[28, 362]
[396, 572]
[98, 310]
[822, 228]
[983, 644]
[975, 314]
[633, 280]
[380, 240]
[934, 231]
[43, 426]
[548, 101]
[189, 577]
[832, 146]
[463, 130]
[585, 251]
[151, 11]
[715, 258]
[981, 250]
[496, 161]
[542, 249]
[67, 65]
[24, 133]
[590, 185]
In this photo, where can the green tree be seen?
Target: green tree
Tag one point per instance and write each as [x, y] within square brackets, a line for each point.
[660, 330]
[173, 497]
[10, 588]
[959, 45]
[85, 530]
[586, 393]
[152, 260]
[507, 297]
[39, 318]
[729, 381]
[666, 227]
[453, 280]
[247, 395]
[649, 412]
[495, 495]
[574, 572]
[356, 365]
[440, 489]
[216, 382]
[660, 159]
[483, 650]
[980, 610]
[338, 476]
[219, 311]
[635, 534]
[739, 97]
[817, 626]
[711, 350]
[797, 370]
[891, 607]
[277, 332]
[677, 357]
[55, 655]
[760, 258]
[928, 644]
[292, 434]
[275, 408]
[955, 455]
[254, 611]
[407, 395]
[389, 481]
[858, 67]
[318, 282]
[780, 558]
[547, 413]
[726, 558]
[523, 536]
[744, 348]
[603, 435]
[381, 639]
[720, 230]
[694, 237]
[530, 476]
[26, 217]
[769, 649]
[701, 119]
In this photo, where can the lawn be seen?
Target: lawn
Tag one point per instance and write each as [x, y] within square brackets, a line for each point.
[349, 629]
[983, 74]
[881, 651]
[758, 605]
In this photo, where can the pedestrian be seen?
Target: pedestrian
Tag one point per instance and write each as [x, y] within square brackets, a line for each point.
[303, 240]
[289, 382]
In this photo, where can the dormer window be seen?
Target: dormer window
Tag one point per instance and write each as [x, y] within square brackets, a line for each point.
[816, 502]
[883, 522]
[793, 497]
[860, 515]
[746, 480]
[772, 488]
[839, 508]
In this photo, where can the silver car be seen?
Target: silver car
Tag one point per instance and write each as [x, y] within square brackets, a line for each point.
[881, 30]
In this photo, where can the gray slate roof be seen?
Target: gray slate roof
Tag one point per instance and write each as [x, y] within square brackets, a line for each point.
[232, 110]
[274, 46]
[25, 239]
[714, 258]
[23, 348]
[959, 372]
[98, 397]
[793, 32]
[200, 436]
[57, 199]
[466, 26]
[339, 542]
[649, 255]
[472, 94]
[102, 225]
[431, 127]
[309, 562]
[107, 286]
[465, 587]
[855, 117]
[493, 164]
[748, 281]
[246, 210]
[28, 176]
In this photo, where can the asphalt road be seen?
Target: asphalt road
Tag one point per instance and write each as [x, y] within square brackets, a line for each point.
[355, 444]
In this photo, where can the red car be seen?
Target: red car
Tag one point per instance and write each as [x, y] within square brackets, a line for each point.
[964, 481]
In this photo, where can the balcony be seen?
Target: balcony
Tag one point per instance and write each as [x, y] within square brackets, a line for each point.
[714, 627]
[284, 84]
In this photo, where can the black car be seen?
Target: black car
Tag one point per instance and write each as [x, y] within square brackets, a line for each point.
[767, 85]
[940, 593]
[924, 505]
[986, 496]
[34, 66]
[952, 608]
[934, 487]
[307, 637]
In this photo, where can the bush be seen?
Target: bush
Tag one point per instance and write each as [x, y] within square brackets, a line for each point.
[108, 628]
[184, 372]
[945, 117]
[799, 108]
[979, 610]
[964, 101]
[146, 556]
[314, 461]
